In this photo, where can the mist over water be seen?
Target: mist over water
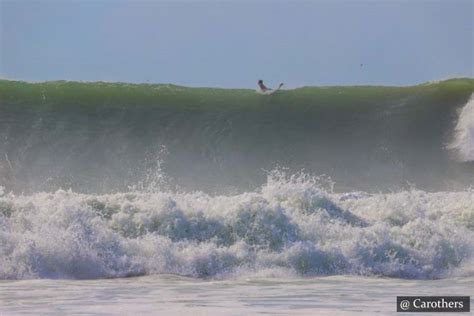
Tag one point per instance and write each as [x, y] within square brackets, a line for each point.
[114, 180]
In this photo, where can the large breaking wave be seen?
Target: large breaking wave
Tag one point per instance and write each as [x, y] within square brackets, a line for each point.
[103, 137]
[114, 180]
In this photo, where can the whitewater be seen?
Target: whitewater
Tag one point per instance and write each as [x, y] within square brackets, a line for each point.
[119, 198]
[288, 228]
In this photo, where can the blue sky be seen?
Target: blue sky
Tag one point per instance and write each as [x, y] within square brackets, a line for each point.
[234, 43]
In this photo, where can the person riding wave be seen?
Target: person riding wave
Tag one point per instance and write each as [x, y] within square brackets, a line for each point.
[264, 88]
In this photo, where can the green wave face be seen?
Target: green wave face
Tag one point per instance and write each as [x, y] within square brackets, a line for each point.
[103, 137]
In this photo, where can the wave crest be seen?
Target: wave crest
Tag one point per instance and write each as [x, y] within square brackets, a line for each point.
[463, 142]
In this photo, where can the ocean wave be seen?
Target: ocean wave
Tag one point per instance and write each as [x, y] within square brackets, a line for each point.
[290, 226]
[104, 137]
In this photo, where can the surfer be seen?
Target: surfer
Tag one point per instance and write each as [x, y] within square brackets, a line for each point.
[264, 88]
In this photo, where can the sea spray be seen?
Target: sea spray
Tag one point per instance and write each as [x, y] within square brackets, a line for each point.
[290, 226]
[463, 143]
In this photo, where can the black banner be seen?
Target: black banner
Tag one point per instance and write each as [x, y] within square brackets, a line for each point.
[444, 304]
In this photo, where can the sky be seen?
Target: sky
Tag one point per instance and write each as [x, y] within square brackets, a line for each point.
[232, 44]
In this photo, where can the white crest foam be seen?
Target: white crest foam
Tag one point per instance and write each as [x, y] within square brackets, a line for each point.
[289, 227]
[463, 143]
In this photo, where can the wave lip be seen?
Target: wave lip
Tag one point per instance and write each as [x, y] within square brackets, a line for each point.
[289, 227]
[463, 143]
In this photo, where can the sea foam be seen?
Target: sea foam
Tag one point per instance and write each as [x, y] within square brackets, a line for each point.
[463, 142]
[288, 227]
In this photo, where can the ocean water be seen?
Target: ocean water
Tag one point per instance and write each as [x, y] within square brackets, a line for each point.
[105, 137]
[132, 199]
[173, 295]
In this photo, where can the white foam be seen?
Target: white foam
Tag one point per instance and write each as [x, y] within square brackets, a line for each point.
[463, 143]
[291, 227]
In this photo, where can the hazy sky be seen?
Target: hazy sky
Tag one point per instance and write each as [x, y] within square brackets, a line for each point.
[234, 43]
